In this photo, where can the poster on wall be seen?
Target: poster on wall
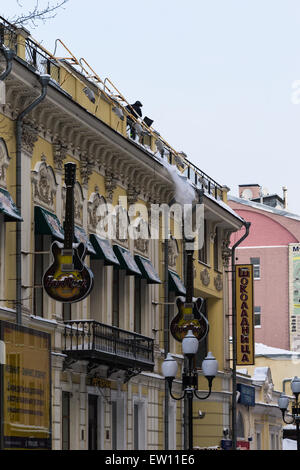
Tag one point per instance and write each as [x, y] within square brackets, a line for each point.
[294, 295]
[25, 388]
[244, 314]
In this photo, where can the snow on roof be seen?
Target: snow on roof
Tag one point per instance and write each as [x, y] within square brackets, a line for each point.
[224, 206]
[289, 444]
[263, 207]
[263, 350]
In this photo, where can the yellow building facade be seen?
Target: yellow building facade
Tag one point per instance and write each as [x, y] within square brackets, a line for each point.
[107, 389]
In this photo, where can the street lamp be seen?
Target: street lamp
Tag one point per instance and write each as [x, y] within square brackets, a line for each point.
[283, 403]
[190, 376]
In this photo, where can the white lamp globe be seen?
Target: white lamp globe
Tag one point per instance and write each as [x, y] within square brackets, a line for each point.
[210, 365]
[283, 402]
[190, 344]
[169, 367]
[295, 385]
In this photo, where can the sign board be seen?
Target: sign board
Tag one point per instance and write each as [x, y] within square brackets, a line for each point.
[226, 444]
[243, 445]
[25, 384]
[244, 314]
[247, 394]
[294, 295]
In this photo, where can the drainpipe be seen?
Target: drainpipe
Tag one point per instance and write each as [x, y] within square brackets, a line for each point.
[234, 349]
[44, 80]
[9, 54]
[284, 382]
[166, 326]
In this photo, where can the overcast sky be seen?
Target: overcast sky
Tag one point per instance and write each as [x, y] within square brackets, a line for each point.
[216, 76]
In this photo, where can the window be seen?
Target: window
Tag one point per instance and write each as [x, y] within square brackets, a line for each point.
[257, 317]
[65, 421]
[139, 421]
[136, 426]
[172, 425]
[96, 296]
[258, 441]
[202, 253]
[41, 263]
[116, 297]
[256, 267]
[93, 422]
[66, 312]
[216, 251]
[137, 305]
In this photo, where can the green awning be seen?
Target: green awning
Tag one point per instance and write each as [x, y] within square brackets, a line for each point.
[126, 260]
[147, 270]
[47, 223]
[81, 236]
[103, 250]
[176, 284]
[8, 207]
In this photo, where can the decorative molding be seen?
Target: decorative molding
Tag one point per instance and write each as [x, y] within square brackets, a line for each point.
[226, 251]
[110, 182]
[4, 162]
[94, 203]
[205, 277]
[218, 282]
[141, 243]
[78, 203]
[59, 155]
[132, 194]
[29, 138]
[173, 252]
[86, 168]
[44, 184]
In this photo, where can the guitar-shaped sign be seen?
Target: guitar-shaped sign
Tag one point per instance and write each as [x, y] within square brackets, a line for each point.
[189, 316]
[68, 279]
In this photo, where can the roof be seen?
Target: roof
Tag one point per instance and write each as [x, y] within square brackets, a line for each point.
[269, 351]
[263, 207]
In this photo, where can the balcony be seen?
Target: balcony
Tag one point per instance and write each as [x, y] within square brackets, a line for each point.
[101, 344]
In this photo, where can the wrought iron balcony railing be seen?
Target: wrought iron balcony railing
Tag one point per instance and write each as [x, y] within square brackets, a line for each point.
[94, 341]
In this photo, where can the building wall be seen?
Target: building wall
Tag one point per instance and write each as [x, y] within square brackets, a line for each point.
[69, 128]
[269, 239]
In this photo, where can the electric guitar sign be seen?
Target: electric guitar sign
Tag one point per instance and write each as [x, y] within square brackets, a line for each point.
[189, 316]
[68, 279]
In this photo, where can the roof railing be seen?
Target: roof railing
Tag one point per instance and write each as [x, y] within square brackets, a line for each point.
[45, 62]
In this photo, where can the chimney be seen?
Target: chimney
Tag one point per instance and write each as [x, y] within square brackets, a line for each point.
[284, 189]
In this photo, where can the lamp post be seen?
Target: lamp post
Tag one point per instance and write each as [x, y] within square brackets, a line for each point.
[190, 376]
[283, 403]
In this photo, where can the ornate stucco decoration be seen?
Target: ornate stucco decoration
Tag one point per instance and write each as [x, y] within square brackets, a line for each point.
[78, 203]
[132, 194]
[4, 162]
[218, 282]
[96, 210]
[110, 185]
[226, 251]
[44, 184]
[141, 243]
[121, 222]
[59, 155]
[29, 138]
[172, 252]
[205, 277]
[86, 168]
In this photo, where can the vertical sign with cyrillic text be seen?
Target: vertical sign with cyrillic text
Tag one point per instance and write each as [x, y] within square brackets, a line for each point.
[244, 314]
